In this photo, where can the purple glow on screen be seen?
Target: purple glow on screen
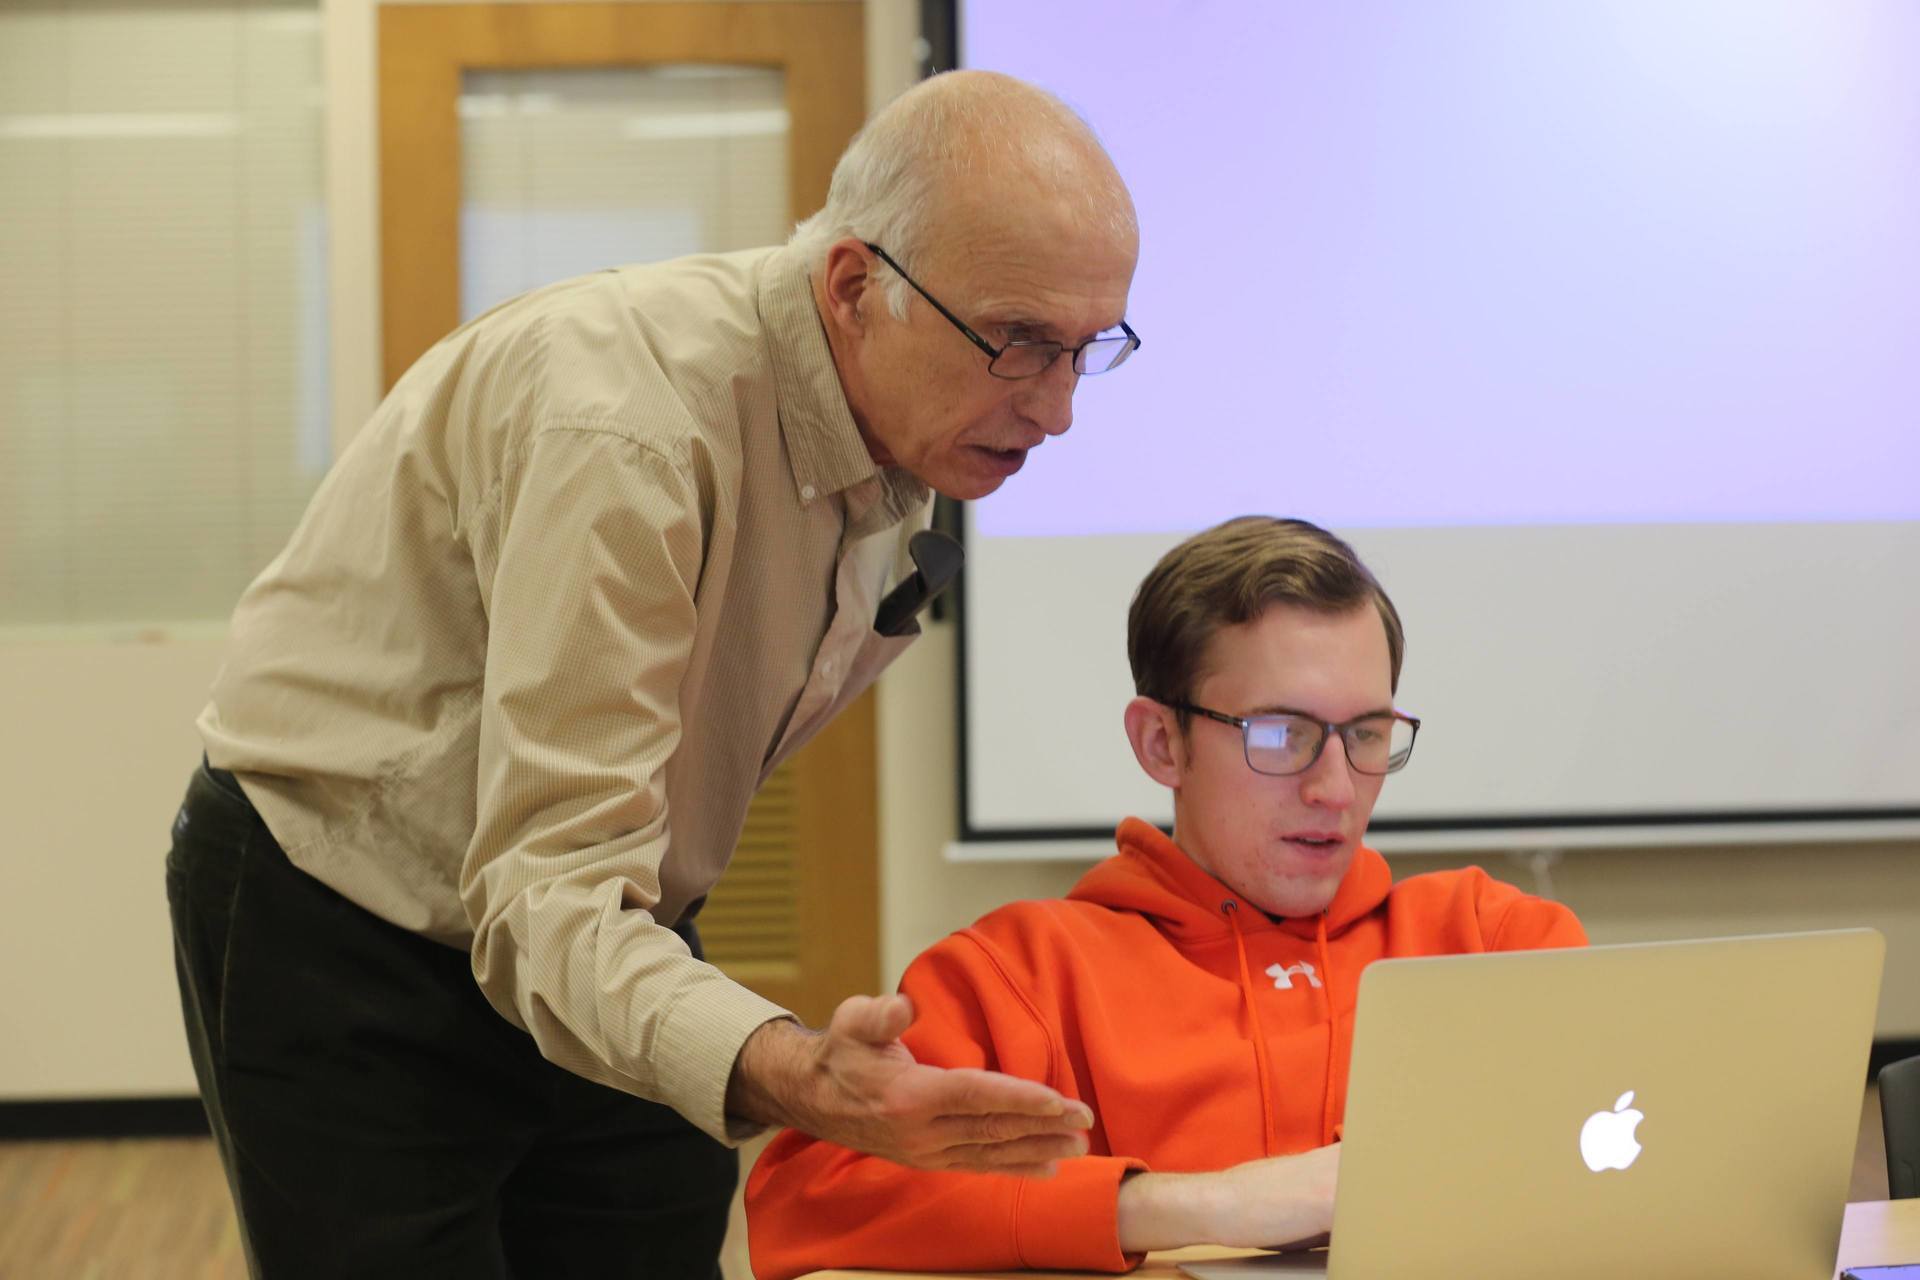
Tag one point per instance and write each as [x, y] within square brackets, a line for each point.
[1493, 263]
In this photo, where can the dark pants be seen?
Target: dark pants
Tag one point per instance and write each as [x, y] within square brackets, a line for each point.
[377, 1117]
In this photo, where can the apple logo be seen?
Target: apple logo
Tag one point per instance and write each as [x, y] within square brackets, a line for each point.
[1606, 1140]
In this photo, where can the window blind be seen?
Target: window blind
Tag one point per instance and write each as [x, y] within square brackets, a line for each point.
[163, 398]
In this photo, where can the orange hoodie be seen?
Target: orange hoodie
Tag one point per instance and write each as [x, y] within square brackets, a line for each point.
[1200, 1031]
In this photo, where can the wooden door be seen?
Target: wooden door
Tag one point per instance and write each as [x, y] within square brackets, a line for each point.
[796, 916]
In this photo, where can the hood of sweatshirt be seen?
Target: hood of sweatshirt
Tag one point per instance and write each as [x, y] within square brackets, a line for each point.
[1154, 877]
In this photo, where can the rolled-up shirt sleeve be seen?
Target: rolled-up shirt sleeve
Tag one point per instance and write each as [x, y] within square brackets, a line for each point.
[589, 563]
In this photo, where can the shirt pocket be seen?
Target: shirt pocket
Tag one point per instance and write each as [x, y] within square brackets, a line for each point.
[848, 662]
[851, 654]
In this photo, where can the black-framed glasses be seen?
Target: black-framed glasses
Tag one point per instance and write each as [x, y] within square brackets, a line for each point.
[1288, 742]
[1023, 359]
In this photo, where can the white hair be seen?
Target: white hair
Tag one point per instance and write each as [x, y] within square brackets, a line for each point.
[886, 187]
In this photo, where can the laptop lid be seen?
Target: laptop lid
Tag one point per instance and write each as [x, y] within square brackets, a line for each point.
[1680, 1109]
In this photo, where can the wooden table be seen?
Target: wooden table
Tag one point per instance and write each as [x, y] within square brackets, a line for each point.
[1876, 1233]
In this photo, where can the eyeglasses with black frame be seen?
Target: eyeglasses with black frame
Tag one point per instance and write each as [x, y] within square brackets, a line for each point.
[1023, 359]
[1286, 743]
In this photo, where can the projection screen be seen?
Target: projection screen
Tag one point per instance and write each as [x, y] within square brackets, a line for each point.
[1595, 327]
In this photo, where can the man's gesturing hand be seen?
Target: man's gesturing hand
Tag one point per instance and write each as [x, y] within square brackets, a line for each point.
[857, 1085]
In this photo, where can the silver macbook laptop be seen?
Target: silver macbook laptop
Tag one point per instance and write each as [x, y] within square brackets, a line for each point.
[1663, 1111]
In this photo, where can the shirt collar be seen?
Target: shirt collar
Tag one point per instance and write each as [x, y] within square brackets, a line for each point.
[824, 446]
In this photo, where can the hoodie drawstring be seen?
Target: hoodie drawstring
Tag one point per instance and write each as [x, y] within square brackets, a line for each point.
[1231, 909]
[1333, 1029]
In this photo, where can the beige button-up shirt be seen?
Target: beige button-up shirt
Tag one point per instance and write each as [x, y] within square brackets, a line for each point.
[602, 559]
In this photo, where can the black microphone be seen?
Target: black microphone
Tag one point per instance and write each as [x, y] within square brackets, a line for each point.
[936, 560]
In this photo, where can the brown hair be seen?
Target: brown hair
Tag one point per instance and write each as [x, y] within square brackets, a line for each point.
[1230, 575]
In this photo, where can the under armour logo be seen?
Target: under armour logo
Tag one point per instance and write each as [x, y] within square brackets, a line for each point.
[1283, 977]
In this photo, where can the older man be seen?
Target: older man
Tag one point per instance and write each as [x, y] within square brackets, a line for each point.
[491, 722]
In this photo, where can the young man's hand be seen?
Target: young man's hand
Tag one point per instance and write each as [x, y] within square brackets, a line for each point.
[857, 1085]
[1280, 1202]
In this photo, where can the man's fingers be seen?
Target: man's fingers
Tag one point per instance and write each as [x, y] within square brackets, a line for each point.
[1021, 1153]
[960, 1092]
[934, 1117]
[955, 1132]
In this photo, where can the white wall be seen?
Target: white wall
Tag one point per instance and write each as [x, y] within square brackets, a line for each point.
[96, 746]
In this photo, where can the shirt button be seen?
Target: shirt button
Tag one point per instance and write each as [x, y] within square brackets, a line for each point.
[807, 491]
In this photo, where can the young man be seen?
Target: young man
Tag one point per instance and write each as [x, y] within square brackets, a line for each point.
[1196, 992]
